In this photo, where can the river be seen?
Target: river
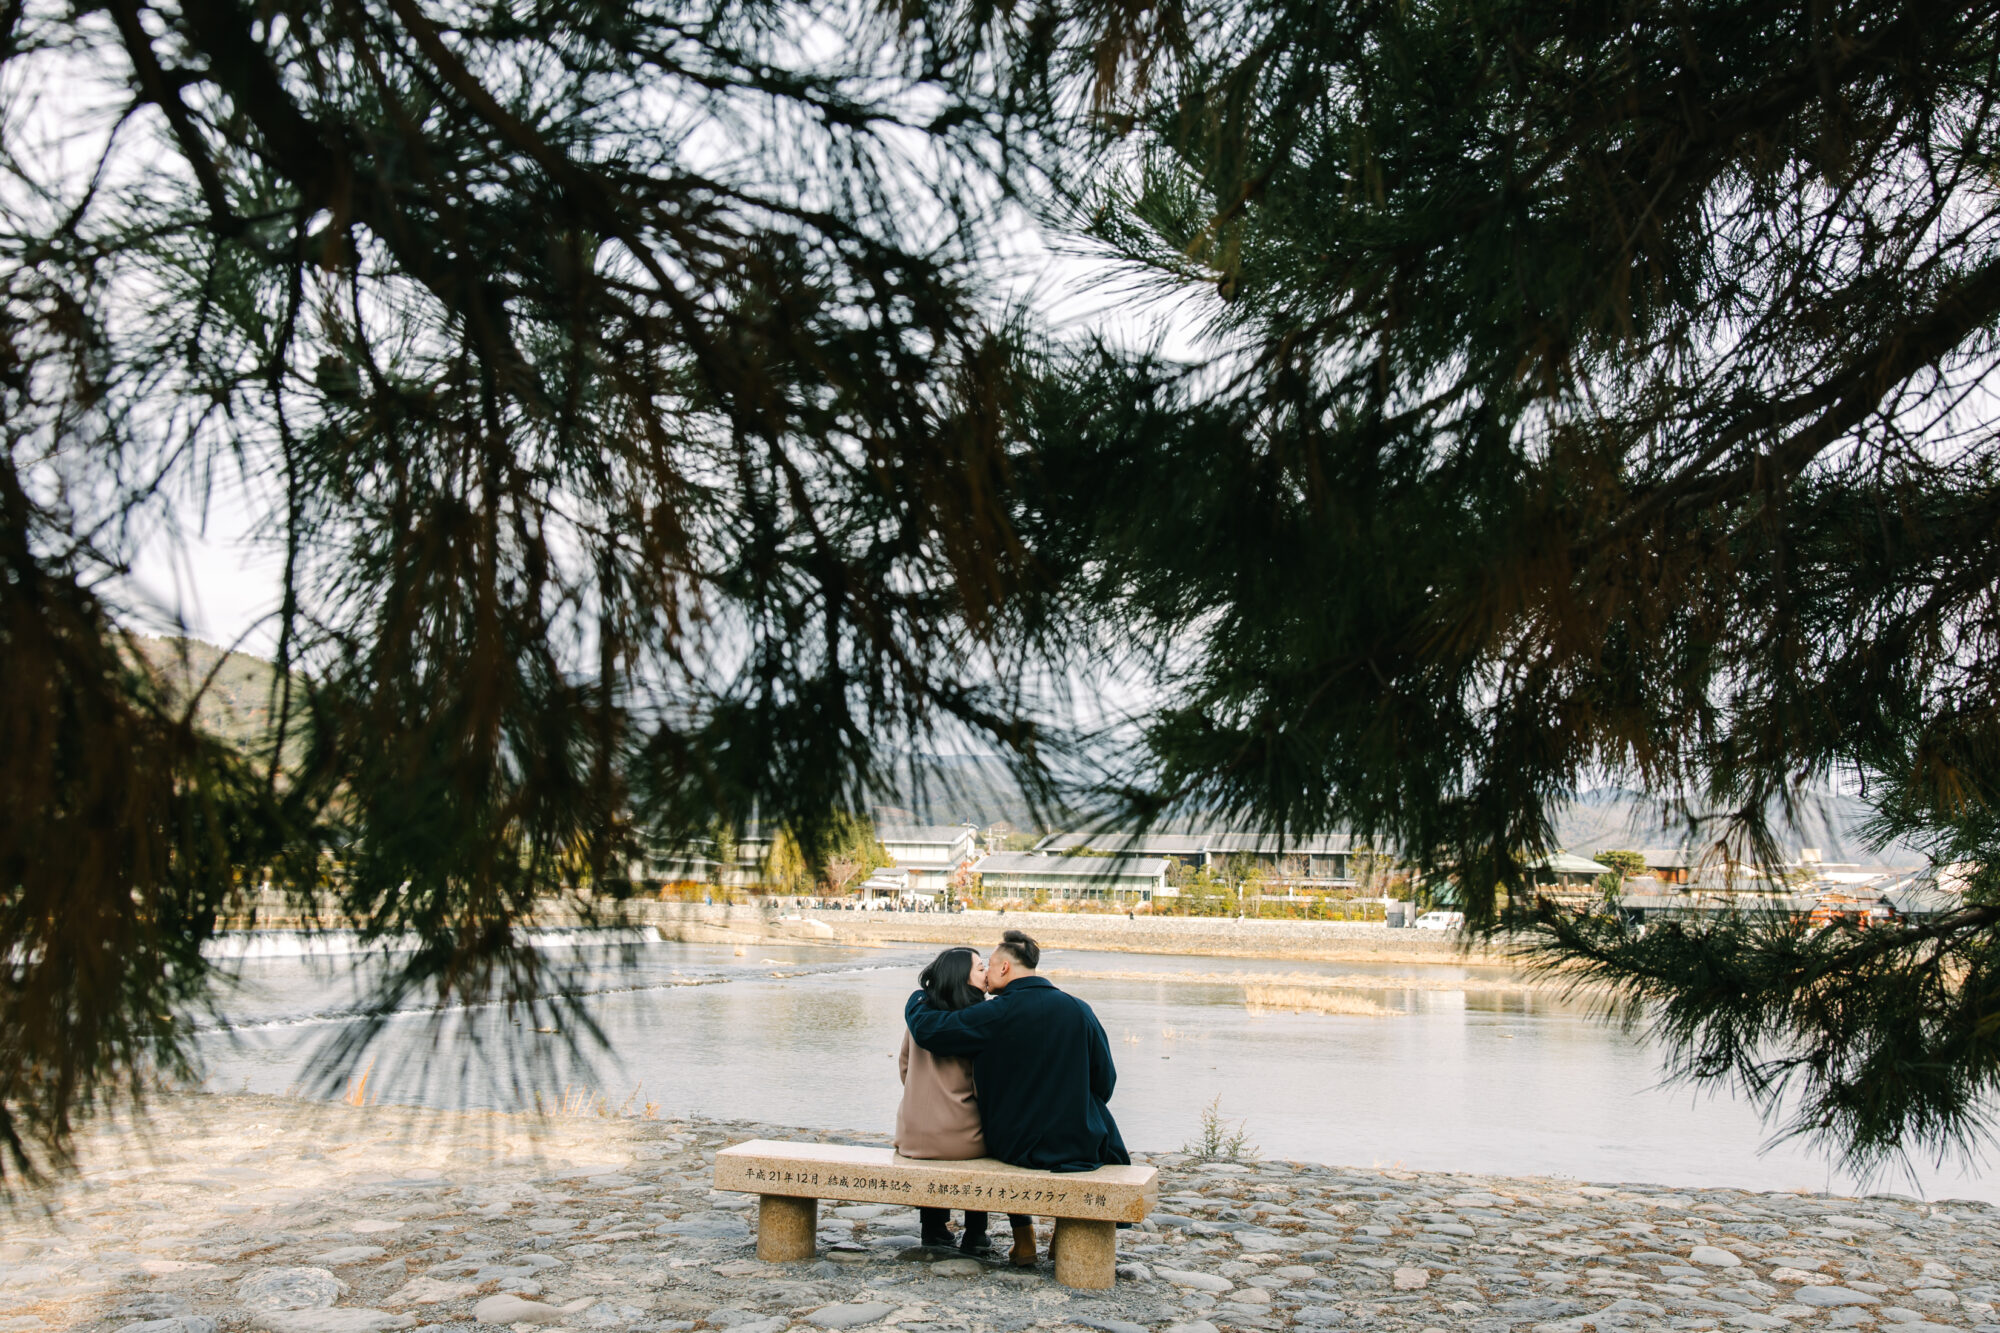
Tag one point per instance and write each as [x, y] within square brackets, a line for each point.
[1422, 1066]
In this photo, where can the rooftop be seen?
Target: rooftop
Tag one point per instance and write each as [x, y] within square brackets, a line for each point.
[941, 833]
[1219, 841]
[1075, 867]
[1276, 844]
[1162, 844]
[1562, 863]
[1661, 858]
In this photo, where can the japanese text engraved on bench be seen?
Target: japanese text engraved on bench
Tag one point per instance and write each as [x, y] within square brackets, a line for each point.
[829, 1179]
[1013, 1194]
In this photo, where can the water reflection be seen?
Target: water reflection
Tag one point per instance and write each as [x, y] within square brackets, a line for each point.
[1462, 1068]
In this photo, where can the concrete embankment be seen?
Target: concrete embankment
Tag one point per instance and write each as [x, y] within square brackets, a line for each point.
[1211, 937]
[779, 921]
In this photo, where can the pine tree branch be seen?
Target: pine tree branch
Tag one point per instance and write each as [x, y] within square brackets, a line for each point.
[1842, 401]
[166, 95]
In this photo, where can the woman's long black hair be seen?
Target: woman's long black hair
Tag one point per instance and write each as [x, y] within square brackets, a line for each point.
[947, 982]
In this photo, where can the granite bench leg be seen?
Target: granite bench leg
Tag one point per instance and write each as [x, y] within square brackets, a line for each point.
[1086, 1253]
[787, 1228]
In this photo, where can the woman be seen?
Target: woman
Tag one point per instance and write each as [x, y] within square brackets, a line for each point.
[938, 1119]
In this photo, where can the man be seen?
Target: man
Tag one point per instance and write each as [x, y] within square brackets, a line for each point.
[1042, 1065]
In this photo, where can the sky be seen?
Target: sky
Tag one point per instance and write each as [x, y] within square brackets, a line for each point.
[216, 580]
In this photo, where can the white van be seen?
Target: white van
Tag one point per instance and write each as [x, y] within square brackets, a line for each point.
[1441, 921]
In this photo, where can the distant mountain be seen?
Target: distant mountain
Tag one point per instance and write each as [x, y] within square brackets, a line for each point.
[235, 702]
[980, 788]
[955, 789]
[949, 789]
[1613, 817]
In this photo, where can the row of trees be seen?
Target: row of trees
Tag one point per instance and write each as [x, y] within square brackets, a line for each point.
[849, 852]
[629, 396]
[1623, 865]
[1241, 884]
[1628, 865]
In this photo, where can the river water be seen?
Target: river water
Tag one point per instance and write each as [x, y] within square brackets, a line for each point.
[1422, 1066]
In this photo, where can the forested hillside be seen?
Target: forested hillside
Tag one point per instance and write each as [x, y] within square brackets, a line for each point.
[235, 700]
[956, 788]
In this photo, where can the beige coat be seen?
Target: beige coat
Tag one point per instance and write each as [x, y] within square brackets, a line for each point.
[939, 1117]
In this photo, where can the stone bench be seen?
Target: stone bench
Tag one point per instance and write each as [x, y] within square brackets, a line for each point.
[791, 1178]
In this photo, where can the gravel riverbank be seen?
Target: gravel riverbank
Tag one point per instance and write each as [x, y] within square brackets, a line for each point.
[240, 1213]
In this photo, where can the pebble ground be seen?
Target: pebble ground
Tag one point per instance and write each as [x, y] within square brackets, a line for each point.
[252, 1213]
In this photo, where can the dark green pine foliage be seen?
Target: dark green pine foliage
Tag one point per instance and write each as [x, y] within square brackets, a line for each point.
[1595, 398]
[617, 382]
[1599, 393]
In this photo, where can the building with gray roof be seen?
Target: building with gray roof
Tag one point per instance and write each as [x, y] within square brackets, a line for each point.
[1126, 879]
[1325, 861]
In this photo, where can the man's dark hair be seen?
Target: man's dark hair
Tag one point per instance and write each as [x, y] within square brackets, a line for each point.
[1023, 950]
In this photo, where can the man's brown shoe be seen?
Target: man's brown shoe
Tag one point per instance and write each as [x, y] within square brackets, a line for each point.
[1023, 1254]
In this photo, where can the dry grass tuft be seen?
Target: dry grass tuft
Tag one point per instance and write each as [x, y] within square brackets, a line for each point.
[576, 1103]
[357, 1088]
[1309, 1000]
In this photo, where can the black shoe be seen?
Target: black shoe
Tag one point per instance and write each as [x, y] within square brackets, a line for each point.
[977, 1244]
[936, 1240]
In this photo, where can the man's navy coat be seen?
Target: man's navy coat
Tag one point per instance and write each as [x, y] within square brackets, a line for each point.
[1043, 1068]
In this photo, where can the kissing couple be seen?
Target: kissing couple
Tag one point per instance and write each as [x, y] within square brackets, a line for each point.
[997, 1062]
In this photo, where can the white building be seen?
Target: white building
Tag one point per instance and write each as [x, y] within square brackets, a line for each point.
[929, 855]
[924, 860]
[1319, 862]
[887, 884]
[1562, 870]
[1325, 861]
[1133, 879]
